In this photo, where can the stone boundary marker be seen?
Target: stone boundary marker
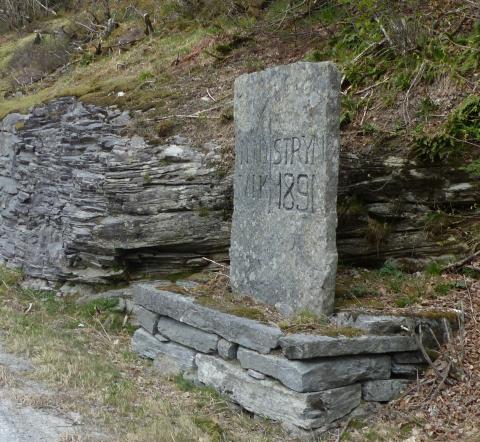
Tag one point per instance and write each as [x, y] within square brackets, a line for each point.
[307, 382]
[287, 142]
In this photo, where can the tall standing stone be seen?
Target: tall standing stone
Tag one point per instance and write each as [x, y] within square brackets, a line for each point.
[283, 247]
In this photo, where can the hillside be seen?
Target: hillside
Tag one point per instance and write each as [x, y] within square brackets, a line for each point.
[410, 109]
[409, 177]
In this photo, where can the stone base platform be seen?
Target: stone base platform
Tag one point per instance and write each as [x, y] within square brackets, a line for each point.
[307, 382]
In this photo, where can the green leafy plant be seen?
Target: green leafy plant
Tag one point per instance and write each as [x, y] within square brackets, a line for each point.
[463, 126]
[473, 168]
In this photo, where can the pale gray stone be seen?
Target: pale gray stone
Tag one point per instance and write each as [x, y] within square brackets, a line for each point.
[270, 399]
[375, 324]
[311, 346]
[256, 374]
[161, 338]
[246, 332]
[148, 346]
[317, 374]
[227, 350]
[188, 336]
[145, 344]
[146, 319]
[283, 246]
[285, 309]
[384, 390]
[389, 324]
[166, 365]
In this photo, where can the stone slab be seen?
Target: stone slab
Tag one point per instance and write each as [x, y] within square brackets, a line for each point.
[227, 350]
[270, 399]
[283, 245]
[246, 332]
[408, 370]
[144, 344]
[383, 390]
[255, 374]
[188, 336]
[148, 346]
[302, 346]
[146, 319]
[375, 324]
[317, 374]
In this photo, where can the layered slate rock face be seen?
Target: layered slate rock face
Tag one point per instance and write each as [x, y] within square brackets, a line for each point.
[82, 200]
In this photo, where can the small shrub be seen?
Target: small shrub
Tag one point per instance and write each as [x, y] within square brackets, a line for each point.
[376, 232]
[165, 128]
[462, 125]
[33, 61]
[434, 268]
[390, 269]
[144, 76]
[473, 169]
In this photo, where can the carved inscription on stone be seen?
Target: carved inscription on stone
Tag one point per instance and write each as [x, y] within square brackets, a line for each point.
[279, 181]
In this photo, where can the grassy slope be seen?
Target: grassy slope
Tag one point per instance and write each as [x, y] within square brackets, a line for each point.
[83, 352]
[399, 86]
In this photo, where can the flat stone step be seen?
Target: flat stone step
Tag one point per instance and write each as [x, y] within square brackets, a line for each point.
[270, 399]
[188, 336]
[150, 347]
[302, 346]
[317, 374]
[246, 332]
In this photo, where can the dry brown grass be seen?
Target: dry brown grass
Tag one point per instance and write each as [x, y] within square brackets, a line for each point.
[82, 354]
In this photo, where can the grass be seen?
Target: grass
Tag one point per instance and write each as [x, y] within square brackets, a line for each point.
[390, 287]
[82, 352]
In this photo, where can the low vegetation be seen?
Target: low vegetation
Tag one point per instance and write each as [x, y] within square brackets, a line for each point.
[391, 289]
[409, 67]
[82, 351]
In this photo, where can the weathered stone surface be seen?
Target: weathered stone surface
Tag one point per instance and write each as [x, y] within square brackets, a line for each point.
[80, 200]
[147, 319]
[287, 146]
[148, 346]
[256, 374]
[311, 346]
[270, 399]
[383, 390]
[188, 336]
[161, 338]
[227, 350]
[375, 324]
[145, 344]
[317, 374]
[168, 366]
[246, 332]
[389, 324]
[408, 370]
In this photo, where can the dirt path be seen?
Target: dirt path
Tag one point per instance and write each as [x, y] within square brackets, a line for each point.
[27, 408]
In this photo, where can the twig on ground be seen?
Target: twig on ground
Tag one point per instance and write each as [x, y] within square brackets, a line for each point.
[198, 114]
[406, 104]
[457, 265]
